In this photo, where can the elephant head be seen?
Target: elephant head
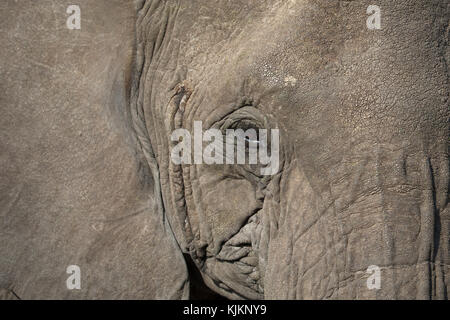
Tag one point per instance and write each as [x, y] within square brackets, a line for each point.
[363, 175]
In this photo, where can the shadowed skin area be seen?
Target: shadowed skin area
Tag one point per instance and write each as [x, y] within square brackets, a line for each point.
[364, 169]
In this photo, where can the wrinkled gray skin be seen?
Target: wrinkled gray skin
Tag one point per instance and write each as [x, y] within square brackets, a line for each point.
[86, 177]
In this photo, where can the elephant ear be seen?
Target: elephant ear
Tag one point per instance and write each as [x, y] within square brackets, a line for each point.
[75, 187]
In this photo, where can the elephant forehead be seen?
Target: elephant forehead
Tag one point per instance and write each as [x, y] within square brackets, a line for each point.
[315, 64]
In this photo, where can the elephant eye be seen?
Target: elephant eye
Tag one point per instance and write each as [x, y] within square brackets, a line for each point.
[244, 124]
[249, 130]
[247, 138]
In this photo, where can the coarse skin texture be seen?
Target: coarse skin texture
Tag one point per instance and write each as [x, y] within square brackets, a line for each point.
[86, 176]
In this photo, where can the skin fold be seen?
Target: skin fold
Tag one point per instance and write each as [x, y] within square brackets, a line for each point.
[87, 177]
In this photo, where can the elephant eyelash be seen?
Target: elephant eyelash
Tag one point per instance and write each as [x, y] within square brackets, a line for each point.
[257, 141]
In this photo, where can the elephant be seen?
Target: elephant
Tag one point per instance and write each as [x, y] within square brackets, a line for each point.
[357, 209]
